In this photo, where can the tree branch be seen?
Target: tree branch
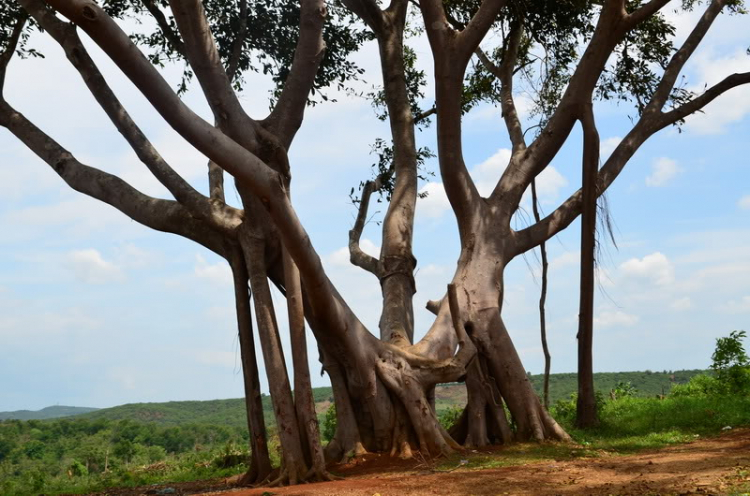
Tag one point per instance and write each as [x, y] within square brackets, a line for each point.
[356, 255]
[678, 60]
[234, 158]
[161, 215]
[470, 37]
[369, 12]
[219, 215]
[608, 33]
[7, 54]
[644, 12]
[170, 34]
[696, 104]
[505, 74]
[287, 115]
[201, 52]
[234, 58]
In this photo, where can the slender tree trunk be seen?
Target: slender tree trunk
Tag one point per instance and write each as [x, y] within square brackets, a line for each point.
[303, 397]
[260, 463]
[586, 415]
[294, 468]
[542, 300]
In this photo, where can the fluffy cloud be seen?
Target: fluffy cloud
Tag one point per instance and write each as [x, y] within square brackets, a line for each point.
[663, 170]
[90, 267]
[615, 319]
[219, 273]
[737, 306]
[744, 202]
[607, 146]
[682, 304]
[486, 175]
[711, 66]
[655, 268]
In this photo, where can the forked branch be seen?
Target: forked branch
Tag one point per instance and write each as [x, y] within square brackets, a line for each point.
[356, 255]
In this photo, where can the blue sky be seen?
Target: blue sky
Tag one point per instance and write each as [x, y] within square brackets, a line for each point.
[96, 310]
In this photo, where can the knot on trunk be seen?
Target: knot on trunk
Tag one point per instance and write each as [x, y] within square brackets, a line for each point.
[399, 265]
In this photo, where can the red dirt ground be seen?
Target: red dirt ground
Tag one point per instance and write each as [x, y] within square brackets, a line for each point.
[705, 466]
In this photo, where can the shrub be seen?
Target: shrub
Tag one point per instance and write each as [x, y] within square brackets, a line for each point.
[329, 423]
[449, 417]
[699, 386]
[731, 363]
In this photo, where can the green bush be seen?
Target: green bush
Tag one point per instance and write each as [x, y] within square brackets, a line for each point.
[329, 423]
[450, 416]
[731, 363]
[698, 386]
[78, 469]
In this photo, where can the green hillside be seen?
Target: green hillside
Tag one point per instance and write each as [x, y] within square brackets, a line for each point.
[231, 412]
[50, 412]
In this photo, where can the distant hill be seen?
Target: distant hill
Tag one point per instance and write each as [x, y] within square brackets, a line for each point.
[231, 412]
[50, 412]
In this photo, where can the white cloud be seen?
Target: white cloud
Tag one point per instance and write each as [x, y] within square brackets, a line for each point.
[567, 259]
[487, 174]
[228, 359]
[218, 273]
[615, 319]
[90, 267]
[737, 306]
[663, 170]
[654, 268]
[607, 146]
[682, 304]
[744, 202]
[435, 204]
[340, 257]
[711, 66]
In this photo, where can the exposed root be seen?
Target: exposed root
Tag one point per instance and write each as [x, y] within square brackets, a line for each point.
[314, 475]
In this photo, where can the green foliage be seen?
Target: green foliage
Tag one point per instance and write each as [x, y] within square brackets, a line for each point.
[564, 411]
[329, 424]
[623, 390]
[449, 417]
[731, 363]
[78, 469]
[700, 385]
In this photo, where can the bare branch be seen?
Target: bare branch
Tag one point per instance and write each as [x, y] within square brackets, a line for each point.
[7, 54]
[468, 40]
[505, 74]
[659, 99]
[289, 111]
[201, 52]
[356, 255]
[608, 33]
[645, 12]
[161, 215]
[170, 34]
[233, 157]
[369, 12]
[697, 103]
[221, 216]
[234, 58]
[424, 115]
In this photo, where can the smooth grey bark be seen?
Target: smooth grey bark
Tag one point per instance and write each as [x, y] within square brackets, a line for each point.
[542, 301]
[586, 415]
[383, 385]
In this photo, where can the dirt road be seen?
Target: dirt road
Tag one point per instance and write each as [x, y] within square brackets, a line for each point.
[704, 466]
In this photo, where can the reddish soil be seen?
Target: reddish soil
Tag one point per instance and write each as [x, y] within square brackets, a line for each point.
[705, 466]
